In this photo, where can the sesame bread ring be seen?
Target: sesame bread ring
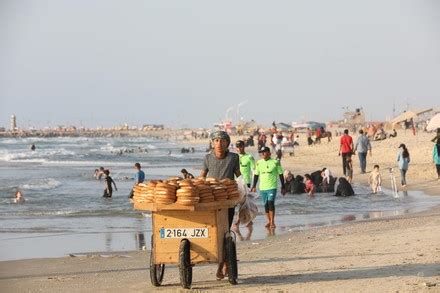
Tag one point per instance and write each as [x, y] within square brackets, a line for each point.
[165, 185]
[165, 198]
[164, 189]
[187, 195]
[165, 194]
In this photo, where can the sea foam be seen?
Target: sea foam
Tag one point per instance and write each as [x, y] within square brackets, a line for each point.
[41, 184]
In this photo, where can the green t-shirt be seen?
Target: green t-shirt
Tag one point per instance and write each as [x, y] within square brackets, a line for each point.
[247, 164]
[269, 172]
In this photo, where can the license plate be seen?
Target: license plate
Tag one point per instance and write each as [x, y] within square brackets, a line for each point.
[184, 233]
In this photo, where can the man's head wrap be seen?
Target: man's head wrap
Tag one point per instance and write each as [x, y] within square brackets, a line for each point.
[221, 135]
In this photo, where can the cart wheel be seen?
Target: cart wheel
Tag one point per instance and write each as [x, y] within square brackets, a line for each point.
[156, 271]
[185, 267]
[231, 259]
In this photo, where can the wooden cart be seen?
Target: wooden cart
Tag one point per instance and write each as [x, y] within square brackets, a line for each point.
[189, 235]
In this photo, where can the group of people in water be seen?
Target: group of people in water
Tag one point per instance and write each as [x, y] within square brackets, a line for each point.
[125, 150]
[139, 177]
[320, 181]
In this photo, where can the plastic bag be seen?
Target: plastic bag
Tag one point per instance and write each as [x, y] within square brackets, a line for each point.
[243, 190]
[248, 210]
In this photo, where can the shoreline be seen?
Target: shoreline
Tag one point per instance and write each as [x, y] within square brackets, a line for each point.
[258, 233]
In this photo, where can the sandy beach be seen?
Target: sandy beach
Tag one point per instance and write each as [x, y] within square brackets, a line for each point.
[399, 253]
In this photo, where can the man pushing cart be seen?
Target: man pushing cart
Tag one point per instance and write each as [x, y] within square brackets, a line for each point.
[195, 228]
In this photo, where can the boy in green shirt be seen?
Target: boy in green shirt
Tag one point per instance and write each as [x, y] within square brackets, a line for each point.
[247, 166]
[269, 170]
[247, 163]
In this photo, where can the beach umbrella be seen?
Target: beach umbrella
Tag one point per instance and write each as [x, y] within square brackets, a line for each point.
[434, 123]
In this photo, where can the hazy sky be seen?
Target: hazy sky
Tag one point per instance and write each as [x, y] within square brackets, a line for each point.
[184, 63]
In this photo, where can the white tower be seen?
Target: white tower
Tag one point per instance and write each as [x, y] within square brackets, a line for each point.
[13, 122]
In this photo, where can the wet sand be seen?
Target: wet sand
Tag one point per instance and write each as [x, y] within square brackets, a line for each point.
[387, 255]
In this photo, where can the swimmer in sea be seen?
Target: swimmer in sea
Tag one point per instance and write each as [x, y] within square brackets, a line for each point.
[18, 197]
[186, 175]
[108, 191]
[100, 173]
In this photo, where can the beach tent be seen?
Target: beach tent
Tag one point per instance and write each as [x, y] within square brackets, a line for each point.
[434, 123]
[408, 115]
[283, 126]
[308, 124]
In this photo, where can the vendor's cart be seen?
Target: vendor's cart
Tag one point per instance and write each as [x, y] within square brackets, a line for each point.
[189, 235]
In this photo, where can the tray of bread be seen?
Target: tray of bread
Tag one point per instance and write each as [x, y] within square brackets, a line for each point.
[185, 194]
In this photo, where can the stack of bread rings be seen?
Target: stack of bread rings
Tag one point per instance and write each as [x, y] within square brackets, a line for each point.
[187, 194]
[137, 193]
[205, 191]
[164, 193]
[220, 192]
[186, 191]
[212, 181]
[231, 187]
[144, 192]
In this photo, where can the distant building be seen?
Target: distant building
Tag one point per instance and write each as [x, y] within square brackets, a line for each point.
[13, 122]
[147, 127]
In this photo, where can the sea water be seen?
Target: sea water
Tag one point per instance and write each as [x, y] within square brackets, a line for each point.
[65, 213]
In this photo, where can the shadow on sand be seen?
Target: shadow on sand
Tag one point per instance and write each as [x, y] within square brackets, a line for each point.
[428, 270]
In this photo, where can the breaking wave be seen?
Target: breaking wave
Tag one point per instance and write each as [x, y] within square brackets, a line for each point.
[41, 184]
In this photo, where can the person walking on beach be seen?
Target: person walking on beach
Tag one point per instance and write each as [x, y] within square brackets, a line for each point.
[437, 136]
[309, 137]
[349, 169]
[345, 149]
[436, 157]
[247, 163]
[278, 146]
[247, 166]
[362, 146]
[221, 164]
[108, 191]
[261, 140]
[269, 170]
[139, 177]
[318, 135]
[403, 160]
[273, 141]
